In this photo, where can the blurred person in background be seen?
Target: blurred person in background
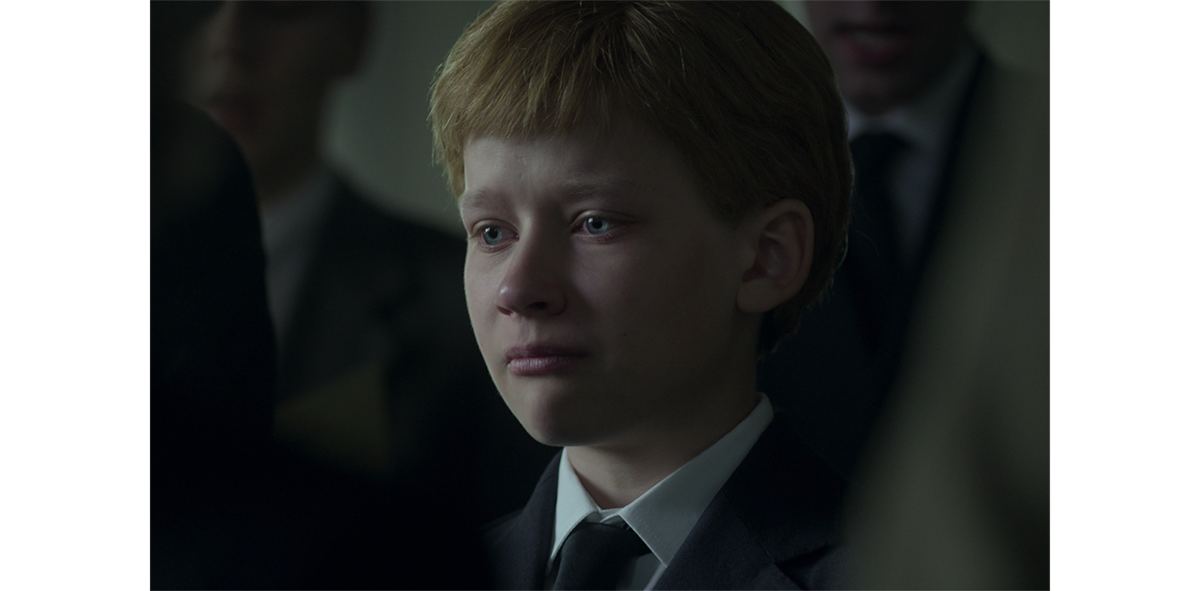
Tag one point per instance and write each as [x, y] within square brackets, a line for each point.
[378, 369]
[229, 508]
[923, 100]
[936, 331]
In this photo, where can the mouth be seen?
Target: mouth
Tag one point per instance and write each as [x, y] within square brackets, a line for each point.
[875, 45]
[529, 360]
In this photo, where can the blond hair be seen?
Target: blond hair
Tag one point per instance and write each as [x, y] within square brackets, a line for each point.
[741, 89]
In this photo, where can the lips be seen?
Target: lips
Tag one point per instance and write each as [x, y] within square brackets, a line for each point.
[874, 46]
[527, 360]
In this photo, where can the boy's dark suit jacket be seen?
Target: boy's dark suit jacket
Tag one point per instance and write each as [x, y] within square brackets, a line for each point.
[771, 526]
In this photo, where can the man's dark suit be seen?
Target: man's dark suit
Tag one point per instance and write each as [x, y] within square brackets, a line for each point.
[376, 283]
[970, 410]
[836, 372]
[771, 526]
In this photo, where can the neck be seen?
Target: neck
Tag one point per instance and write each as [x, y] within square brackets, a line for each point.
[616, 475]
[281, 163]
[276, 181]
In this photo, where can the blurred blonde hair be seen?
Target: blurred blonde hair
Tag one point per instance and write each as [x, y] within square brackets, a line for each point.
[741, 89]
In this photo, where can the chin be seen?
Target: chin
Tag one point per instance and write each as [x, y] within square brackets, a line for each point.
[557, 431]
[557, 420]
[550, 438]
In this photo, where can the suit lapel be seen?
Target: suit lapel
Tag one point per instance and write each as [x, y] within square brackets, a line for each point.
[519, 546]
[770, 524]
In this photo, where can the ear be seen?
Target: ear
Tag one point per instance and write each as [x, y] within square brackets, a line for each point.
[782, 235]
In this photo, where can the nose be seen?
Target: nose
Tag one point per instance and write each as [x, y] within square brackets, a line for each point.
[532, 284]
[232, 32]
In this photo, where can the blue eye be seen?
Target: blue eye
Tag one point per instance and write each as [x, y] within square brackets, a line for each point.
[492, 235]
[596, 225]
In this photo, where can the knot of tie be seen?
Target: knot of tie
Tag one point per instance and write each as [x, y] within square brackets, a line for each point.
[594, 555]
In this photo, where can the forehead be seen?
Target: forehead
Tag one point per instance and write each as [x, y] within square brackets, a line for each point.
[578, 164]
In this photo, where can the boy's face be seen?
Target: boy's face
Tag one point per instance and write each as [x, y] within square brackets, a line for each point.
[601, 288]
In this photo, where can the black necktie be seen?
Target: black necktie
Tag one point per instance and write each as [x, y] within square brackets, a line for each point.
[873, 256]
[594, 555]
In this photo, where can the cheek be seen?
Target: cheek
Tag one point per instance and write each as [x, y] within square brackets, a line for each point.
[475, 282]
[699, 295]
[652, 298]
[609, 286]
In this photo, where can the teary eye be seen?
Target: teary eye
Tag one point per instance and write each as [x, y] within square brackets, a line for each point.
[596, 225]
[492, 235]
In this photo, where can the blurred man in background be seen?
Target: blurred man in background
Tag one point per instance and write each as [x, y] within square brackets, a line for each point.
[229, 509]
[938, 320]
[378, 369]
[923, 102]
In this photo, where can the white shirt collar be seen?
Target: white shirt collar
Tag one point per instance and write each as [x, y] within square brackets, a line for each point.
[298, 215]
[290, 230]
[664, 515]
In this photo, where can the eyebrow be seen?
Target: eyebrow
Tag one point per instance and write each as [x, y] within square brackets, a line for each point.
[471, 196]
[592, 186]
[574, 189]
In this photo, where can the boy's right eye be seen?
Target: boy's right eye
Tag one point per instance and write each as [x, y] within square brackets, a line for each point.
[492, 235]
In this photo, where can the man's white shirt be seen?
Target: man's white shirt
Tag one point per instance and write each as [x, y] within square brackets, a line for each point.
[290, 232]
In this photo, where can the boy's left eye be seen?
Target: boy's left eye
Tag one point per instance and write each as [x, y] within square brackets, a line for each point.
[492, 235]
[596, 225]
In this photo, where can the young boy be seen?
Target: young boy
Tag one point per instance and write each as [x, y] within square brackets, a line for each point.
[653, 192]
